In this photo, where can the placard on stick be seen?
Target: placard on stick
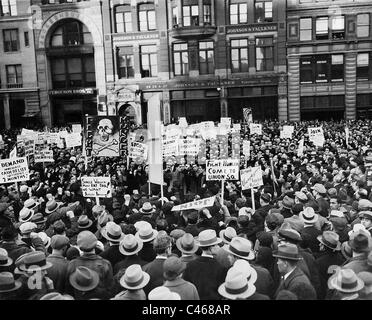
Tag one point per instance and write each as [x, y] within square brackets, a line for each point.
[96, 187]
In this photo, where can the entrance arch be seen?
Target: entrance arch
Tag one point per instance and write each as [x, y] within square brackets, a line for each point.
[128, 109]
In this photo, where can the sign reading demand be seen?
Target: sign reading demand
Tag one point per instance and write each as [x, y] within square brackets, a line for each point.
[96, 187]
[14, 170]
[227, 169]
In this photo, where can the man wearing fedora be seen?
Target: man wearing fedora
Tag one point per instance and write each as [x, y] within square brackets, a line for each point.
[291, 275]
[113, 233]
[205, 272]
[188, 247]
[310, 233]
[9, 288]
[146, 234]
[344, 284]
[57, 210]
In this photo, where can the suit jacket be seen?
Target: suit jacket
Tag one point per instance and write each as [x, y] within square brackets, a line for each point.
[112, 254]
[193, 229]
[358, 264]
[296, 278]
[264, 283]
[155, 270]
[58, 272]
[126, 262]
[296, 222]
[258, 296]
[185, 289]
[309, 235]
[147, 253]
[323, 206]
[207, 275]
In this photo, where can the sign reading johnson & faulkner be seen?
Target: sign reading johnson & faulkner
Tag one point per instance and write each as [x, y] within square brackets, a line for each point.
[82, 91]
[249, 28]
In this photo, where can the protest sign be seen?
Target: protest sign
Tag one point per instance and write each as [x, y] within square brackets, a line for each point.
[21, 141]
[286, 132]
[42, 138]
[29, 147]
[188, 146]
[246, 148]
[96, 187]
[255, 128]
[197, 204]
[237, 127]
[225, 121]
[316, 135]
[44, 155]
[13, 153]
[53, 138]
[251, 178]
[76, 128]
[170, 147]
[300, 151]
[63, 134]
[137, 150]
[73, 140]
[14, 170]
[182, 122]
[227, 169]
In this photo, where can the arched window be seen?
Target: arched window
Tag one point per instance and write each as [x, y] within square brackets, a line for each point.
[71, 33]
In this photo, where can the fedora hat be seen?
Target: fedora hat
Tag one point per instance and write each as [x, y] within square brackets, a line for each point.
[365, 215]
[104, 218]
[84, 222]
[27, 227]
[357, 227]
[97, 210]
[287, 251]
[301, 196]
[187, 244]
[208, 238]
[147, 208]
[346, 251]
[56, 296]
[112, 232]
[331, 240]
[287, 202]
[318, 187]
[236, 285]
[5, 261]
[84, 279]
[7, 282]
[130, 245]
[30, 203]
[360, 241]
[26, 214]
[173, 267]
[308, 216]
[240, 247]
[227, 234]
[134, 278]
[44, 237]
[51, 206]
[163, 293]
[290, 234]
[244, 267]
[146, 233]
[345, 280]
[34, 261]
[38, 218]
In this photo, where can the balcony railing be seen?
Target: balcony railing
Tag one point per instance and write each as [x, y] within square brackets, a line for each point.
[15, 86]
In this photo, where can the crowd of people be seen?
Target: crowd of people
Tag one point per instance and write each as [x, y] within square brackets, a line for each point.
[307, 238]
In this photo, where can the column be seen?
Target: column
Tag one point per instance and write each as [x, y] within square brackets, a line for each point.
[6, 112]
[282, 98]
[294, 88]
[223, 102]
[350, 85]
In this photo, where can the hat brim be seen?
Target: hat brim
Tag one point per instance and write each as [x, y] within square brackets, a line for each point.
[87, 226]
[106, 236]
[179, 247]
[93, 285]
[250, 256]
[28, 220]
[36, 268]
[51, 211]
[332, 284]
[154, 234]
[131, 253]
[338, 247]
[281, 256]
[218, 241]
[307, 221]
[40, 221]
[147, 212]
[17, 285]
[145, 281]
[251, 289]
[221, 235]
[10, 261]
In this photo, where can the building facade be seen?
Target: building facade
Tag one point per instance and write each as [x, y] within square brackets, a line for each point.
[329, 59]
[206, 58]
[19, 95]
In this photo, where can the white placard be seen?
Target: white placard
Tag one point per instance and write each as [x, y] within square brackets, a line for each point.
[53, 138]
[76, 128]
[300, 151]
[170, 147]
[251, 178]
[14, 170]
[255, 128]
[73, 140]
[13, 153]
[197, 204]
[316, 135]
[226, 121]
[182, 122]
[137, 150]
[227, 169]
[246, 148]
[96, 187]
[44, 155]
[287, 132]
[29, 147]
[188, 146]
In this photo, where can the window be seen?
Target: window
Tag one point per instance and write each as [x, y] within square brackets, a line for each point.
[337, 67]
[27, 40]
[238, 13]
[306, 70]
[239, 55]
[305, 29]
[125, 63]
[322, 28]
[207, 14]
[71, 33]
[263, 11]
[264, 54]
[190, 15]
[149, 64]
[11, 41]
[72, 72]
[338, 27]
[8, 8]
[362, 66]
[363, 25]
[175, 16]
[321, 68]
[147, 20]
[180, 59]
[206, 57]
[14, 74]
[123, 18]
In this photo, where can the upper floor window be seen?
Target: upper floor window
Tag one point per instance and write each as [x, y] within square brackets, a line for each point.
[363, 64]
[71, 33]
[206, 57]
[123, 18]
[264, 54]
[238, 13]
[8, 7]
[14, 74]
[190, 15]
[125, 62]
[207, 14]
[175, 18]
[305, 29]
[146, 17]
[338, 27]
[27, 39]
[239, 55]
[363, 25]
[263, 11]
[180, 59]
[11, 40]
[149, 62]
[321, 28]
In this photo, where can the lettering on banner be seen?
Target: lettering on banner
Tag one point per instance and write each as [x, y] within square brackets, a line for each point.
[198, 204]
[43, 155]
[222, 169]
[251, 178]
[96, 187]
[188, 146]
[14, 170]
[137, 150]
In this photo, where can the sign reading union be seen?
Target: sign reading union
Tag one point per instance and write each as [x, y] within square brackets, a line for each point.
[83, 91]
[248, 28]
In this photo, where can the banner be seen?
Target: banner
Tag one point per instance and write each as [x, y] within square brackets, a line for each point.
[197, 204]
[251, 178]
[182, 122]
[14, 170]
[44, 155]
[73, 140]
[222, 169]
[255, 128]
[96, 187]
[137, 150]
[188, 146]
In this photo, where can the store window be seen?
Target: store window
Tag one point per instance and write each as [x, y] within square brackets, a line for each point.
[207, 14]
[306, 70]
[363, 65]
[337, 67]
[239, 55]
